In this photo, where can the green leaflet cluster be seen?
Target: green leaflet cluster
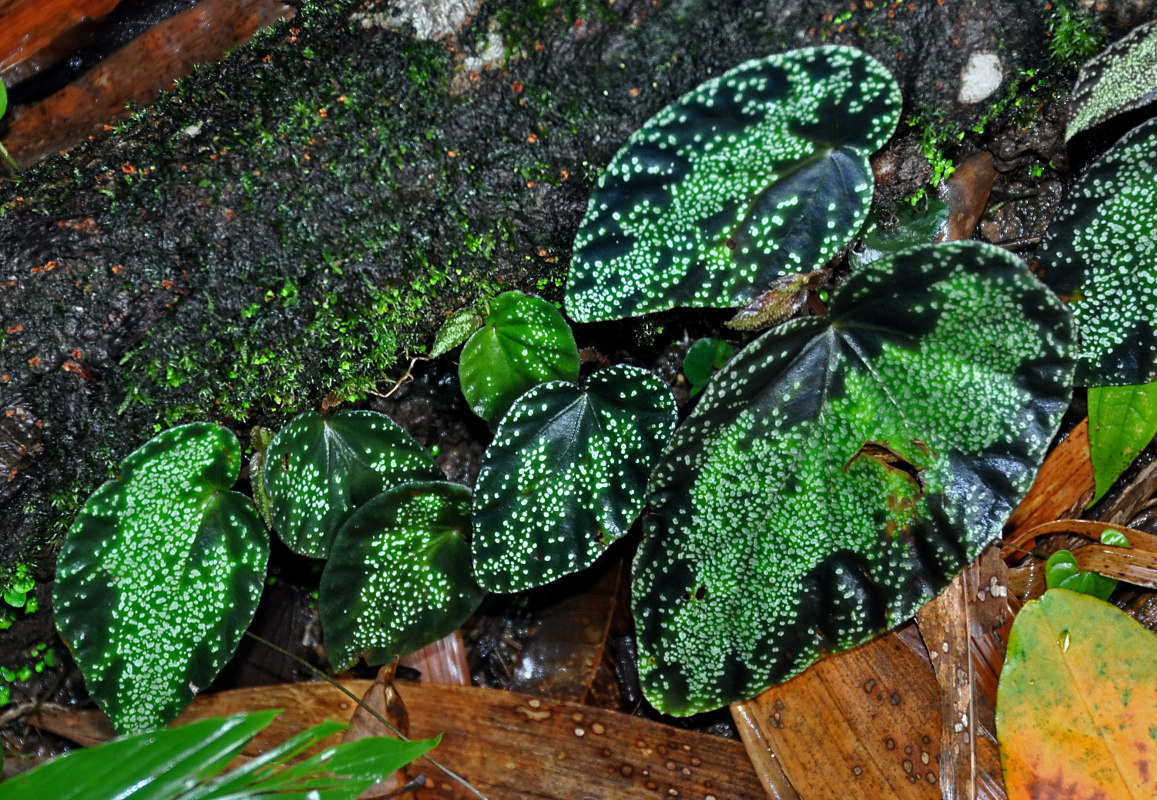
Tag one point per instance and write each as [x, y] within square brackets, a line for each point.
[186, 762]
[160, 574]
[1100, 255]
[760, 172]
[839, 471]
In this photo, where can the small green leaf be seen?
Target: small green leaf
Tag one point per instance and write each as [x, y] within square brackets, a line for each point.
[1122, 421]
[760, 172]
[160, 574]
[455, 330]
[1060, 566]
[1090, 583]
[523, 342]
[3, 98]
[1114, 538]
[1121, 78]
[566, 475]
[399, 576]
[15, 599]
[840, 470]
[318, 471]
[1100, 255]
[912, 227]
[703, 358]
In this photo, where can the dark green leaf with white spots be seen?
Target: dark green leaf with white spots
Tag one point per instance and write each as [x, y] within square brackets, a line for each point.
[524, 341]
[758, 173]
[399, 576]
[160, 575]
[840, 470]
[1121, 78]
[1100, 255]
[319, 470]
[566, 475]
[457, 328]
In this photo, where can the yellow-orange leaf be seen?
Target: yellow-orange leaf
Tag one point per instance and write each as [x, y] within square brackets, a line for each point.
[1077, 703]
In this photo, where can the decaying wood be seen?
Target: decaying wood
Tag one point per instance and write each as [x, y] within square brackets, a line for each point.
[136, 74]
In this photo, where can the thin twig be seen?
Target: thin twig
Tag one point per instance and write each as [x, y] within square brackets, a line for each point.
[372, 712]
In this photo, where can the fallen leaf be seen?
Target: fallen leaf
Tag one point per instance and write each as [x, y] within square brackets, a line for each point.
[1077, 704]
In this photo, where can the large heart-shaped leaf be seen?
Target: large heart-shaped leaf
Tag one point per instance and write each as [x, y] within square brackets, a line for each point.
[524, 341]
[757, 173]
[1100, 255]
[1075, 706]
[839, 471]
[399, 576]
[160, 575]
[318, 470]
[566, 475]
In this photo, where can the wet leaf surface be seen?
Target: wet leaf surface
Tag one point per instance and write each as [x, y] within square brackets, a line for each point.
[160, 575]
[1122, 421]
[839, 471]
[1075, 707]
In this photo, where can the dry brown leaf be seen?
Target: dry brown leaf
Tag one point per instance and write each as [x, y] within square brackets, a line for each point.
[443, 661]
[1062, 488]
[965, 193]
[864, 723]
[972, 607]
[517, 747]
[383, 698]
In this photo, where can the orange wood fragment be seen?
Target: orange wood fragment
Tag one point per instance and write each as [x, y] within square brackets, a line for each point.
[1062, 488]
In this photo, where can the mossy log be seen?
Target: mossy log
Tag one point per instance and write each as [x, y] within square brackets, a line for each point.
[286, 222]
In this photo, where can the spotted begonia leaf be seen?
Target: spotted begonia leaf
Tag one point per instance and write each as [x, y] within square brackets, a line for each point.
[318, 470]
[1074, 709]
[1100, 255]
[566, 475]
[524, 341]
[160, 575]
[840, 470]
[1120, 78]
[760, 172]
[399, 576]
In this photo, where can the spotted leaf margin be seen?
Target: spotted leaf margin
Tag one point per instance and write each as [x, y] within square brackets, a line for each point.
[318, 471]
[400, 574]
[1120, 78]
[839, 471]
[758, 173]
[566, 475]
[1100, 255]
[160, 574]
